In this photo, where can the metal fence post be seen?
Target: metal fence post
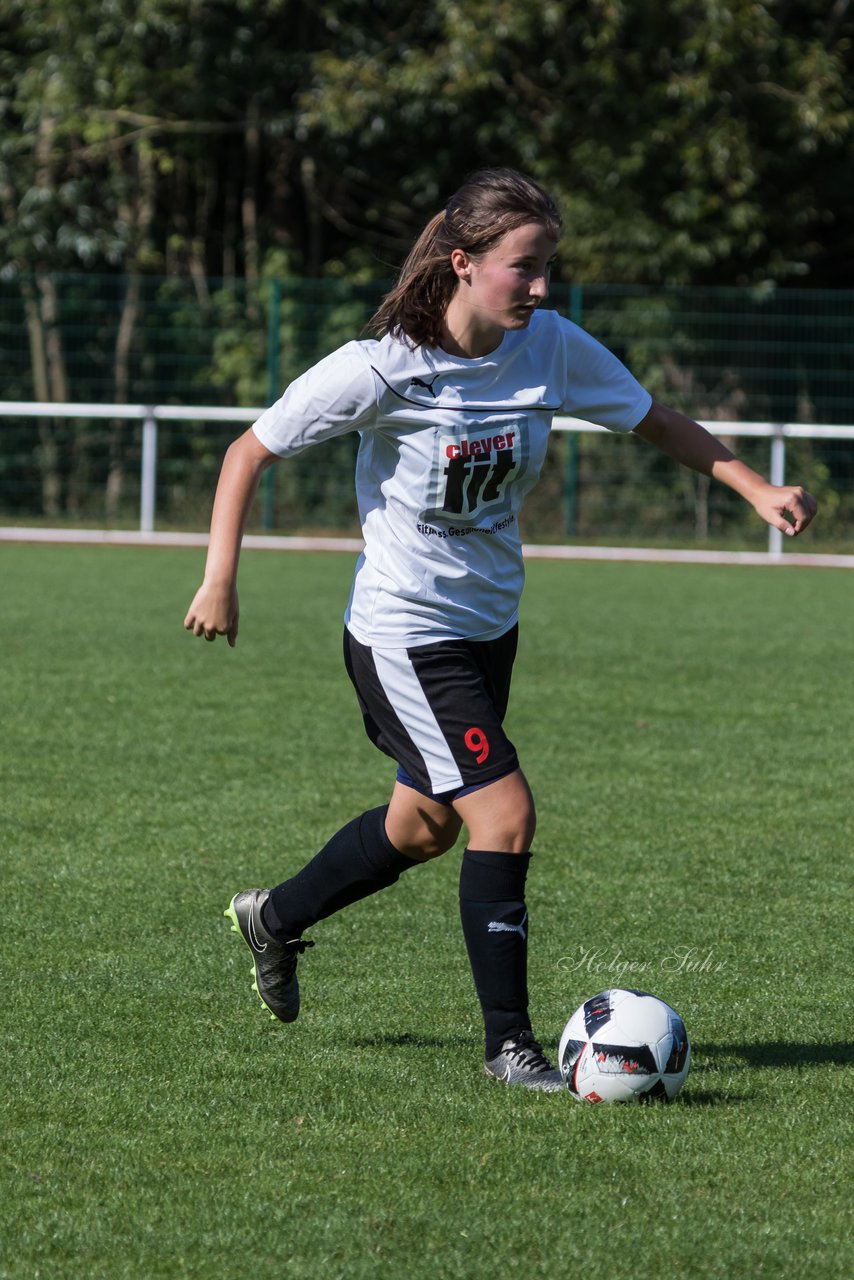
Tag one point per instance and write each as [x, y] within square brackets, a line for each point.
[274, 322]
[573, 444]
[570, 485]
[148, 477]
[778, 476]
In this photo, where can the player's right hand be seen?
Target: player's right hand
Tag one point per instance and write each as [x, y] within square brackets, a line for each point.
[215, 611]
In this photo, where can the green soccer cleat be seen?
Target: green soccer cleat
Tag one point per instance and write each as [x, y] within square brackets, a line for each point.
[274, 963]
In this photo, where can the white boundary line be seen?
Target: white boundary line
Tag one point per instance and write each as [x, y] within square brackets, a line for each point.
[133, 538]
[532, 551]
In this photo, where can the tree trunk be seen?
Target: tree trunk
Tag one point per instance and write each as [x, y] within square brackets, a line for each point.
[124, 338]
[249, 210]
[701, 507]
[41, 304]
[308, 173]
[48, 371]
[230, 234]
[199, 238]
[35, 332]
[142, 216]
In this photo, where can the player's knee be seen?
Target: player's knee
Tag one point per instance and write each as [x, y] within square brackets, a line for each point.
[517, 833]
[426, 838]
[501, 816]
[434, 845]
[527, 829]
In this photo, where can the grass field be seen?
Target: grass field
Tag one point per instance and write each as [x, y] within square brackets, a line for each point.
[688, 733]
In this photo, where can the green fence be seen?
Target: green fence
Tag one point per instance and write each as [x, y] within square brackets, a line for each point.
[720, 354]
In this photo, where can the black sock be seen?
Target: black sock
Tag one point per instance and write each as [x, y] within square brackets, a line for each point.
[358, 861]
[495, 927]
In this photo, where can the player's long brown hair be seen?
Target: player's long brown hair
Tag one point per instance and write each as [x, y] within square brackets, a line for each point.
[488, 205]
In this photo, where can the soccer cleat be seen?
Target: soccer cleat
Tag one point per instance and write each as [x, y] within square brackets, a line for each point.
[522, 1061]
[274, 963]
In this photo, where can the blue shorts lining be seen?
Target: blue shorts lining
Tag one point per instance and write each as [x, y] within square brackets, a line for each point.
[446, 797]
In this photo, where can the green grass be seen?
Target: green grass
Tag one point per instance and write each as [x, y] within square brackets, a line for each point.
[687, 731]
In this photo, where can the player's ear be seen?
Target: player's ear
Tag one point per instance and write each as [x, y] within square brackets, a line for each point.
[461, 263]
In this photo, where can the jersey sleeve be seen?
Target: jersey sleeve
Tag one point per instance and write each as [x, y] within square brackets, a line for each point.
[597, 386]
[336, 395]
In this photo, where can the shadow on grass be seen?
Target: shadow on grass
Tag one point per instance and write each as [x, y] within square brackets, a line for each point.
[408, 1040]
[777, 1053]
[708, 1098]
[707, 1058]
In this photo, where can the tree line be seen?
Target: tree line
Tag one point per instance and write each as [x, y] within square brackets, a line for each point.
[225, 144]
[689, 141]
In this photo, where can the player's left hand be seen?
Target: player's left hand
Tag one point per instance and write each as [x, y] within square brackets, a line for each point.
[788, 508]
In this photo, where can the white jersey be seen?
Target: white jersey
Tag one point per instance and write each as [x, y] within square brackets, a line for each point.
[449, 448]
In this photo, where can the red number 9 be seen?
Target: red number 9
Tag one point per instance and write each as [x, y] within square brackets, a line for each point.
[478, 743]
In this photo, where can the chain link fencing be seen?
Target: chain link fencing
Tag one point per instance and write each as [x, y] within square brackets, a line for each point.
[720, 354]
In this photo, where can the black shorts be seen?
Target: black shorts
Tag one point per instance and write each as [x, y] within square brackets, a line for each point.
[437, 709]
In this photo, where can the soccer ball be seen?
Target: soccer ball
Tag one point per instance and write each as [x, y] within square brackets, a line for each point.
[624, 1046]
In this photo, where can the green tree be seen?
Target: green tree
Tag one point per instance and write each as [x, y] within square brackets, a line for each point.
[689, 141]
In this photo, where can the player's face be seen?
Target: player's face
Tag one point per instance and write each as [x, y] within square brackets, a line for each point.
[501, 289]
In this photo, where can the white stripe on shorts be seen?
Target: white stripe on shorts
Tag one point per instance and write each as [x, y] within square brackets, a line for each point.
[403, 690]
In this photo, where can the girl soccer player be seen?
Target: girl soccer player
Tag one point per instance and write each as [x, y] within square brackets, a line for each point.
[453, 406]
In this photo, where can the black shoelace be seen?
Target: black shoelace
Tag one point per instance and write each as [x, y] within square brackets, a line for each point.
[293, 950]
[299, 945]
[526, 1049]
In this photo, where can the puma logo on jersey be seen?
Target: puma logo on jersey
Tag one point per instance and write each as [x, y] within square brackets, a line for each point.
[428, 386]
[498, 926]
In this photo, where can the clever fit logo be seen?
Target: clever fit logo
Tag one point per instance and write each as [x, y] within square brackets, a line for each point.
[476, 471]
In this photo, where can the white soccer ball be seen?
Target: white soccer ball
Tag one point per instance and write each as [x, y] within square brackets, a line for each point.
[624, 1046]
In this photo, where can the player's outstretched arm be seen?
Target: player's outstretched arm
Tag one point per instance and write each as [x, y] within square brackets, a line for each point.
[787, 507]
[215, 609]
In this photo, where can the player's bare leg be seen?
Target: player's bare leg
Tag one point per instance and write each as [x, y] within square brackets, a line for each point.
[500, 816]
[420, 827]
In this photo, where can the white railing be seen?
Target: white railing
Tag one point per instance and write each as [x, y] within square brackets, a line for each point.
[150, 415]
